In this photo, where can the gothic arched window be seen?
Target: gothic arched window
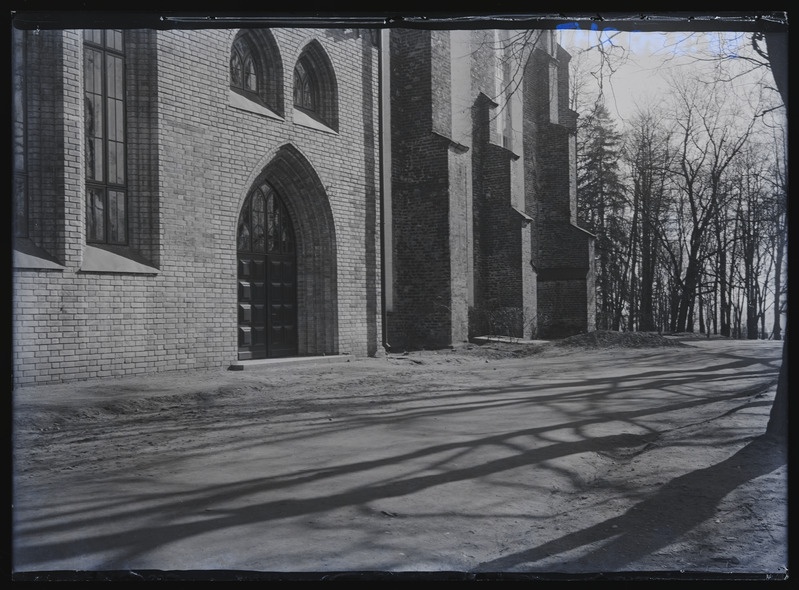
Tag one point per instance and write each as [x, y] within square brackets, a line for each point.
[255, 70]
[305, 87]
[243, 75]
[264, 223]
[315, 89]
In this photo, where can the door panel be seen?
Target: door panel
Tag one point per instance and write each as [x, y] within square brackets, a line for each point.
[252, 329]
[267, 276]
[282, 305]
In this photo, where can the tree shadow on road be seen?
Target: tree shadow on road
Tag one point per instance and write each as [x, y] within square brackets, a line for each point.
[115, 528]
[642, 530]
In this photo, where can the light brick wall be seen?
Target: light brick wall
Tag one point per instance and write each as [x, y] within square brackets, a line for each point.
[196, 157]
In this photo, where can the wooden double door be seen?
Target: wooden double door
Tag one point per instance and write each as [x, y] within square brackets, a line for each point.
[267, 277]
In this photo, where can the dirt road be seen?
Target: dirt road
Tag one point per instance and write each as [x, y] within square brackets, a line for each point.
[599, 456]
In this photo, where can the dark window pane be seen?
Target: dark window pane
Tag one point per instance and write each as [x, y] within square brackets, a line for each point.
[111, 117]
[18, 104]
[93, 36]
[115, 74]
[308, 95]
[236, 69]
[94, 159]
[304, 86]
[117, 218]
[116, 163]
[20, 206]
[93, 121]
[244, 71]
[95, 215]
[116, 147]
[258, 242]
[92, 62]
[120, 151]
[98, 122]
[264, 223]
[120, 127]
[99, 150]
[19, 145]
[298, 82]
[112, 217]
[114, 39]
[250, 78]
[244, 228]
[104, 120]
[271, 222]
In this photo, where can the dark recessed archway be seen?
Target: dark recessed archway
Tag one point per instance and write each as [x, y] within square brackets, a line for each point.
[305, 200]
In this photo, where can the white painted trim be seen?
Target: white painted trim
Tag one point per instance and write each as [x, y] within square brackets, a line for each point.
[101, 260]
[306, 120]
[238, 101]
[32, 262]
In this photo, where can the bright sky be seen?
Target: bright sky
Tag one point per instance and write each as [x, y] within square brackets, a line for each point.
[648, 58]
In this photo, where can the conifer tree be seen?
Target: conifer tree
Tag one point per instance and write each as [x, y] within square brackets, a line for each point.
[600, 206]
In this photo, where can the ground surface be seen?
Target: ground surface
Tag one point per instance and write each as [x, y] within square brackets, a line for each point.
[598, 454]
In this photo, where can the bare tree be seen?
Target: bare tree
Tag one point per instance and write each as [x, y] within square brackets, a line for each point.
[754, 218]
[709, 138]
[647, 156]
[778, 236]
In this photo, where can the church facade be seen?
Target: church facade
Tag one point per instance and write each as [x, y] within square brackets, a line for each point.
[483, 190]
[202, 198]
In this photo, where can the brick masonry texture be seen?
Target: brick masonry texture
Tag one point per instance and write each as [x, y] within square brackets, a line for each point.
[193, 156]
[531, 268]
[482, 200]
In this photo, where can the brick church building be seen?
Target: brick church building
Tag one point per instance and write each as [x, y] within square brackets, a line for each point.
[202, 198]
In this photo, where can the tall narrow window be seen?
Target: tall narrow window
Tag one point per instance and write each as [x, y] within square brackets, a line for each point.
[243, 73]
[503, 88]
[305, 87]
[19, 138]
[554, 105]
[255, 69]
[105, 143]
[315, 88]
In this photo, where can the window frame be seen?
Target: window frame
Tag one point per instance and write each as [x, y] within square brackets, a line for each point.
[279, 222]
[20, 196]
[321, 78]
[245, 52]
[259, 48]
[306, 85]
[105, 187]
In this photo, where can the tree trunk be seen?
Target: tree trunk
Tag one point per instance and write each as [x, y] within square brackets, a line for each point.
[712, 307]
[685, 319]
[724, 305]
[674, 304]
[647, 319]
[777, 44]
[701, 315]
[776, 330]
[778, 419]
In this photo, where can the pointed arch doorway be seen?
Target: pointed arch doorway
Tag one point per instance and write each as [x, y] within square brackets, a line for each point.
[267, 277]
